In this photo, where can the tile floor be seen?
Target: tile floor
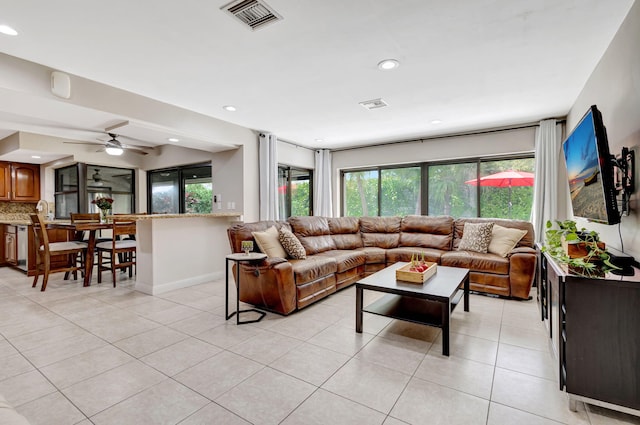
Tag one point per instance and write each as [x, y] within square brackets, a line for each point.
[100, 355]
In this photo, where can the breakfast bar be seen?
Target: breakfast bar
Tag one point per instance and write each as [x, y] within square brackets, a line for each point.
[179, 250]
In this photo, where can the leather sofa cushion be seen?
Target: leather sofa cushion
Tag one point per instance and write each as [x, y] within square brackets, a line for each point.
[345, 232]
[381, 232]
[374, 255]
[313, 268]
[427, 231]
[242, 232]
[345, 259]
[313, 233]
[476, 261]
[404, 254]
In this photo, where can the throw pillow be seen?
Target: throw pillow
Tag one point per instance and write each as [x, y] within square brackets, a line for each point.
[504, 239]
[268, 242]
[292, 245]
[476, 237]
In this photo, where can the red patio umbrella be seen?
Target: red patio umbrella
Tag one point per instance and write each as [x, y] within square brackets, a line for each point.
[507, 178]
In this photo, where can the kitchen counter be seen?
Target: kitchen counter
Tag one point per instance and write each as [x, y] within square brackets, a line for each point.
[164, 216]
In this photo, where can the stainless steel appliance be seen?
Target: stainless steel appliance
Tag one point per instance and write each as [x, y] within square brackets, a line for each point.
[23, 245]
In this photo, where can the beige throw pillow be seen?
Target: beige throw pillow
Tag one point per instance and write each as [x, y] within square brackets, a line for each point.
[504, 239]
[476, 237]
[292, 245]
[269, 244]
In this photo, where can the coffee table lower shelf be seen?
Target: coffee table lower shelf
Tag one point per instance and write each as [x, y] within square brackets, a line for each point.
[410, 309]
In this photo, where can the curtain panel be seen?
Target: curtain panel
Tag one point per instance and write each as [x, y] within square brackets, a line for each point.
[268, 170]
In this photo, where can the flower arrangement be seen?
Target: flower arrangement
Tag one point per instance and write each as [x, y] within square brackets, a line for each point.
[103, 203]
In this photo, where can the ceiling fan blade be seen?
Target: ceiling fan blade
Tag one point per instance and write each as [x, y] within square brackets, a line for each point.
[83, 143]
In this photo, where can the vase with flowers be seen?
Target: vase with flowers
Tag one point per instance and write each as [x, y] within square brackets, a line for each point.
[105, 206]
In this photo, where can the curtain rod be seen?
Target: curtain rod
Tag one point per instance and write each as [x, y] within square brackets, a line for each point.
[447, 136]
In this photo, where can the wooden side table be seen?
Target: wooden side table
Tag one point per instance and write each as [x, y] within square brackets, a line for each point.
[240, 258]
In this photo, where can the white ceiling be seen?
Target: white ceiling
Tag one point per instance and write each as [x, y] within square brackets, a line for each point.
[470, 64]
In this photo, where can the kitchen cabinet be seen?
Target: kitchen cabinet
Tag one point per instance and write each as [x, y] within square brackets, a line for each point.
[19, 182]
[10, 245]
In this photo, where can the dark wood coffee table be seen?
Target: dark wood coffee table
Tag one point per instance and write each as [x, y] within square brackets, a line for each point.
[430, 303]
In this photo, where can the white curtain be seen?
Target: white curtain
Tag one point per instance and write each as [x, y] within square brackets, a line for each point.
[322, 184]
[549, 188]
[268, 177]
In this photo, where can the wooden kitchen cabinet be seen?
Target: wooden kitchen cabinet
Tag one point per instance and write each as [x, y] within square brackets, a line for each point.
[19, 182]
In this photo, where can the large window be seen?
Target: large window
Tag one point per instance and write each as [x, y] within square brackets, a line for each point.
[79, 184]
[460, 189]
[295, 193]
[178, 190]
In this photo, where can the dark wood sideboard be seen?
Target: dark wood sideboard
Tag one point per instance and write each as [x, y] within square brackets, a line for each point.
[594, 326]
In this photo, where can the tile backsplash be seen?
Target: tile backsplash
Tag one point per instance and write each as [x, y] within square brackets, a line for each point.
[16, 210]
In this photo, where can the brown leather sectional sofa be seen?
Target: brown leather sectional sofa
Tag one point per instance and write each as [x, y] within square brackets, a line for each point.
[342, 250]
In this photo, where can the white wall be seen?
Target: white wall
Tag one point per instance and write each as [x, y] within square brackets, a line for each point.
[614, 86]
[295, 156]
[437, 149]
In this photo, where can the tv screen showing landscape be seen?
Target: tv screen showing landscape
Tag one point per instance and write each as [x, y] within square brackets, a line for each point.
[585, 175]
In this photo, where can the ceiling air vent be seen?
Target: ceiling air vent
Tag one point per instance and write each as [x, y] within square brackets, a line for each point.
[373, 104]
[253, 13]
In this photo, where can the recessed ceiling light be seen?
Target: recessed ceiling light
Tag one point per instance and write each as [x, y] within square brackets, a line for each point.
[229, 108]
[173, 139]
[319, 140]
[388, 64]
[6, 29]
[35, 156]
[436, 122]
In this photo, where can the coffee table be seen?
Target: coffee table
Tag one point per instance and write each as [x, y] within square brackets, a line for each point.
[429, 303]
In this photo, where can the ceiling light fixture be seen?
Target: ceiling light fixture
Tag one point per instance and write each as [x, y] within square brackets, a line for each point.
[388, 64]
[35, 156]
[436, 122]
[229, 108]
[319, 140]
[7, 30]
[114, 150]
[173, 139]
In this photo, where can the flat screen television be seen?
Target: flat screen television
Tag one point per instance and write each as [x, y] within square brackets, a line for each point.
[590, 170]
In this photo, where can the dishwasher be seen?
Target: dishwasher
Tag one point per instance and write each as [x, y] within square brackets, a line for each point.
[23, 247]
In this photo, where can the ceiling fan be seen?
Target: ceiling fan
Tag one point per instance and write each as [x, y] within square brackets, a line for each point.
[114, 147]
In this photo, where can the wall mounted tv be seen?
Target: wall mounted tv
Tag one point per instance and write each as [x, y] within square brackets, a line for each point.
[590, 170]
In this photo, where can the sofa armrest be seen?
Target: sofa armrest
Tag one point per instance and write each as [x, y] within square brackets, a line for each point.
[268, 284]
[522, 270]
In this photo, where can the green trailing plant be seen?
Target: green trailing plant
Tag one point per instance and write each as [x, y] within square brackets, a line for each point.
[595, 263]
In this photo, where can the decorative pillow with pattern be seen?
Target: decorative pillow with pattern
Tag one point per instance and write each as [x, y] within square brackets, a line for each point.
[291, 245]
[476, 237]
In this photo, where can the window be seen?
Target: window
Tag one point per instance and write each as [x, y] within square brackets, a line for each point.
[295, 192]
[178, 190]
[77, 185]
[441, 189]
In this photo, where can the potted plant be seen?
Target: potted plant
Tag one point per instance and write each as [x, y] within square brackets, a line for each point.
[105, 206]
[580, 249]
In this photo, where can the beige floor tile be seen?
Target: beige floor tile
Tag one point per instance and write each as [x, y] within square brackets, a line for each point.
[206, 303]
[468, 347]
[147, 342]
[228, 334]
[6, 349]
[30, 322]
[25, 387]
[218, 374]
[310, 363]
[399, 355]
[165, 403]
[393, 421]
[55, 351]
[315, 410]
[477, 325]
[532, 394]
[371, 323]
[526, 360]
[341, 339]
[116, 327]
[198, 323]
[405, 331]
[51, 409]
[102, 391]
[323, 312]
[505, 415]
[265, 347]
[214, 414]
[602, 416]
[536, 339]
[173, 314]
[85, 365]
[458, 373]
[266, 397]
[180, 356]
[14, 364]
[151, 305]
[369, 384]
[426, 402]
[301, 328]
[46, 336]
